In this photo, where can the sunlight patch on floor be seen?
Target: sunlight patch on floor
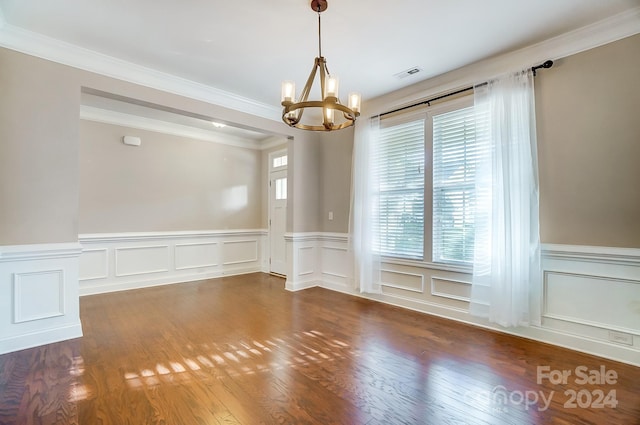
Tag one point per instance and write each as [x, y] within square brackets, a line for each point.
[240, 358]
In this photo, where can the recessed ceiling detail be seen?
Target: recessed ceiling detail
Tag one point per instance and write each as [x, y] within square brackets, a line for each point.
[143, 116]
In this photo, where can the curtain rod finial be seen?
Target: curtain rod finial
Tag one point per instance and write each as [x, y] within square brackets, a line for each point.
[547, 64]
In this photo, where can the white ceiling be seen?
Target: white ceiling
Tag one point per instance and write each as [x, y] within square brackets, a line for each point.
[248, 47]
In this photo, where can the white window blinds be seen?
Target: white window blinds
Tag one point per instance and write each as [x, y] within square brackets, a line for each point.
[399, 167]
[455, 155]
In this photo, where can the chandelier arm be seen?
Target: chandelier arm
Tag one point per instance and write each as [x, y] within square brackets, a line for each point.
[290, 121]
[323, 68]
[307, 87]
[348, 116]
[326, 68]
[323, 76]
[323, 72]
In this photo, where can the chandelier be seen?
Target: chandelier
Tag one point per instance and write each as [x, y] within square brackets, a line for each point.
[335, 116]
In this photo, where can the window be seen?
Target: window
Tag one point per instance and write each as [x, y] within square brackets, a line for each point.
[279, 161]
[451, 134]
[399, 166]
[281, 188]
[455, 155]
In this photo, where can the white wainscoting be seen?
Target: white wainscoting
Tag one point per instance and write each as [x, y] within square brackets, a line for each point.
[318, 259]
[303, 265]
[38, 295]
[593, 292]
[115, 262]
[591, 295]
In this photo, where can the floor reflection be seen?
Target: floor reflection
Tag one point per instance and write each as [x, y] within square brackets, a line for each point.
[243, 358]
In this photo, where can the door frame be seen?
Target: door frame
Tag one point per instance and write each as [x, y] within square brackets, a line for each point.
[270, 170]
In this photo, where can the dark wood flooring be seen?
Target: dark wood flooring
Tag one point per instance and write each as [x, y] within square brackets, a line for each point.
[242, 350]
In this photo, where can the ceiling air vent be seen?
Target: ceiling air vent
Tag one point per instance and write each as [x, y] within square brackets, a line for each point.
[408, 72]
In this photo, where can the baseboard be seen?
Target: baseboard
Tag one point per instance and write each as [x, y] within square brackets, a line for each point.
[41, 337]
[299, 286]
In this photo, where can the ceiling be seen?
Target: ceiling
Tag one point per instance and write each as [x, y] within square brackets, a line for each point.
[248, 47]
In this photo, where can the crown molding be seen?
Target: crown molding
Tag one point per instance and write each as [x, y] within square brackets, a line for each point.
[90, 113]
[608, 30]
[34, 44]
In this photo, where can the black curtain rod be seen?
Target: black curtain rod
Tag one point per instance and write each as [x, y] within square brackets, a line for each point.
[546, 65]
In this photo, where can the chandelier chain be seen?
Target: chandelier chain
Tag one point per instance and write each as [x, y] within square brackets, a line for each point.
[319, 34]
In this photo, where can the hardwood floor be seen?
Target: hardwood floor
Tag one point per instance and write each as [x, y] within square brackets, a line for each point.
[243, 350]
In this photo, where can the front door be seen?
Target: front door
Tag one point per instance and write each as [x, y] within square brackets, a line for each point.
[277, 220]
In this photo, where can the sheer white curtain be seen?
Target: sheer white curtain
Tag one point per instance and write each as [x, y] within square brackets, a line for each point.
[364, 203]
[506, 273]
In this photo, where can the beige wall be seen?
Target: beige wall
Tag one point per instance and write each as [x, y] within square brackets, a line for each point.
[39, 104]
[39, 134]
[335, 164]
[588, 114]
[304, 182]
[169, 183]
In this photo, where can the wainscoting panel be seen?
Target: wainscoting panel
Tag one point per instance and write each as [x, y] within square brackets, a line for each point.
[94, 264]
[239, 252]
[450, 288]
[141, 260]
[335, 265]
[159, 258]
[38, 295]
[591, 300]
[423, 286]
[306, 258]
[402, 280]
[334, 262]
[46, 286]
[195, 255]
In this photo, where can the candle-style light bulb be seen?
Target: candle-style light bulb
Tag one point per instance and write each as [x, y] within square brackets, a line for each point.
[288, 91]
[332, 87]
[354, 102]
[328, 115]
